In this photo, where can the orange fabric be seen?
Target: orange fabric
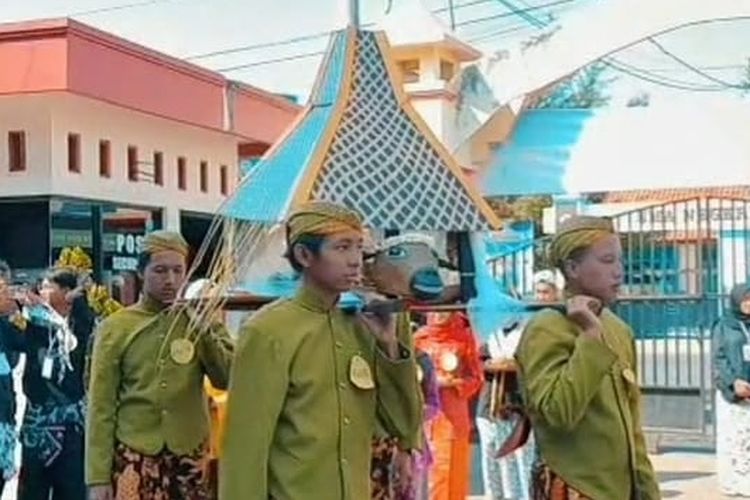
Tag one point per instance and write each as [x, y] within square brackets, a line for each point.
[453, 335]
[218, 409]
[451, 466]
[450, 431]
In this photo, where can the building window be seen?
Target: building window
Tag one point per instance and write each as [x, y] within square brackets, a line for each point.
[158, 168]
[409, 70]
[105, 159]
[17, 151]
[204, 177]
[132, 164]
[182, 174]
[74, 153]
[447, 70]
[224, 173]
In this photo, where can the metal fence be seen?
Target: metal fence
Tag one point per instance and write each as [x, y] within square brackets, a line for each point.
[681, 260]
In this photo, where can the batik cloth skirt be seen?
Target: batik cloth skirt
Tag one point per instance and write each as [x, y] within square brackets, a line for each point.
[165, 476]
[381, 472]
[546, 485]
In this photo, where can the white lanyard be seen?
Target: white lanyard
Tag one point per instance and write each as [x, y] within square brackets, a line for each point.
[744, 330]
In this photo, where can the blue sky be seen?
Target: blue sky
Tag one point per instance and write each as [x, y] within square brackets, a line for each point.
[189, 27]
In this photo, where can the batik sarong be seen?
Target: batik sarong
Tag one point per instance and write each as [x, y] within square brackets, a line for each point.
[381, 477]
[165, 476]
[546, 485]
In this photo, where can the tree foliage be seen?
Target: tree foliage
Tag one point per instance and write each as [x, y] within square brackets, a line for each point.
[521, 208]
[585, 89]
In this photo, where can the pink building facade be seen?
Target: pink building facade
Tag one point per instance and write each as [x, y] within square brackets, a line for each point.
[103, 139]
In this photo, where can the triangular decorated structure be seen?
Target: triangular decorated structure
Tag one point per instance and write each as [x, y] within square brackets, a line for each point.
[360, 143]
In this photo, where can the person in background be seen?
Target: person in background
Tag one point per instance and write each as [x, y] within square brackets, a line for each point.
[53, 334]
[148, 425]
[548, 286]
[507, 477]
[9, 313]
[731, 353]
[421, 460]
[450, 343]
[579, 381]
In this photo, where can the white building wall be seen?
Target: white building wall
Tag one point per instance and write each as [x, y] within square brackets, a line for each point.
[49, 118]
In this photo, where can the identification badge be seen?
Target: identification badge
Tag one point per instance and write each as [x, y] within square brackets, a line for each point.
[746, 353]
[360, 374]
[47, 367]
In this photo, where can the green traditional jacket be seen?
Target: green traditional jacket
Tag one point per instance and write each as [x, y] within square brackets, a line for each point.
[584, 402]
[406, 338]
[139, 396]
[301, 415]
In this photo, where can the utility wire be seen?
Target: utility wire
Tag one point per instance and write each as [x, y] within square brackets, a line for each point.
[509, 14]
[315, 36]
[113, 8]
[693, 68]
[306, 55]
[661, 81]
[523, 15]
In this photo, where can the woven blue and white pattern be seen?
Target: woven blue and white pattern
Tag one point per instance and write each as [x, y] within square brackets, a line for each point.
[382, 165]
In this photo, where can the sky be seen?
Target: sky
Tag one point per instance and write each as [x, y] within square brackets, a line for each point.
[186, 28]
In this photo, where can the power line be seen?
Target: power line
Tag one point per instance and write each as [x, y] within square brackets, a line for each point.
[523, 15]
[272, 61]
[657, 80]
[305, 38]
[256, 46]
[515, 13]
[693, 68]
[495, 34]
[113, 8]
[315, 36]
[463, 5]
[306, 55]
[719, 67]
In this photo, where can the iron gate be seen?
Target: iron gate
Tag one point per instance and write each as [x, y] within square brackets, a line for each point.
[681, 260]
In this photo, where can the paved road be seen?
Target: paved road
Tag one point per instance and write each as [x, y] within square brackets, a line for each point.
[688, 476]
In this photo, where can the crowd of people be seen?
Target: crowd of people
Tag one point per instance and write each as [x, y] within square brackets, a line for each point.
[327, 404]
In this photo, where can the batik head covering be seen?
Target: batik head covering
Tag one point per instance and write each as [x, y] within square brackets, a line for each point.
[321, 218]
[576, 233]
[165, 241]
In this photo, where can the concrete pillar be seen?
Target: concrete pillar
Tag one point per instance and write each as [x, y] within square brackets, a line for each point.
[171, 216]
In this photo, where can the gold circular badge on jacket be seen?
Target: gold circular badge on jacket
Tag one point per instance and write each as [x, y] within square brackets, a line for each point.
[182, 351]
[360, 373]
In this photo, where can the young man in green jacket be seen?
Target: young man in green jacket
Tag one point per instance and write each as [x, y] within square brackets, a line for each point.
[579, 378]
[147, 424]
[309, 381]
